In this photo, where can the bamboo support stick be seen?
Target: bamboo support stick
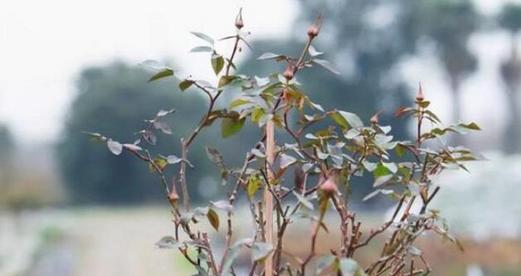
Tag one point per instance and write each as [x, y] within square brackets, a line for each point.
[268, 197]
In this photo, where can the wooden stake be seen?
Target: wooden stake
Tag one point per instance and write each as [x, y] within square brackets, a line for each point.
[268, 197]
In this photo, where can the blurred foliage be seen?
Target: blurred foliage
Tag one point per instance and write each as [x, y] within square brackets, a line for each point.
[510, 70]
[6, 143]
[28, 190]
[23, 185]
[510, 17]
[115, 99]
[372, 37]
[7, 146]
[447, 25]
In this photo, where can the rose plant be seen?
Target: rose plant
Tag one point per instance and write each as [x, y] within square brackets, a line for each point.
[306, 179]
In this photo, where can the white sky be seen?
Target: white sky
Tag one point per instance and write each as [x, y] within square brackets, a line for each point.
[44, 44]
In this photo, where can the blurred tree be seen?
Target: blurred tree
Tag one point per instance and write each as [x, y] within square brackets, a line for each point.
[448, 25]
[115, 100]
[6, 143]
[510, 20]
[7, 147]
[363, 39]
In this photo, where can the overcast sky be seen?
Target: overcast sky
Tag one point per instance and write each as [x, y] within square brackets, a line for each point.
[44, 44]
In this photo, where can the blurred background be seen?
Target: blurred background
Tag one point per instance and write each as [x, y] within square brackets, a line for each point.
[70, 207]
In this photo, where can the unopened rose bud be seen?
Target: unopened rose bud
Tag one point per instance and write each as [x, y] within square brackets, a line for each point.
[329, 186]
[238, 20]
[314, 29]
[374, 120]
[419, 96]
[173, 197]
[289, 73]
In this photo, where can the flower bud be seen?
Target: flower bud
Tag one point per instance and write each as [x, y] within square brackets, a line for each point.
[374, 120]
[289, 73]
[173, 197]
[314, 29]
[419, 95]
[329, 186]
[238, 20]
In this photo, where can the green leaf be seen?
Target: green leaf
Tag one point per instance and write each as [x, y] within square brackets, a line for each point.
[262, 81]
[204, 37]
[167, 72]
[217, 63]
[324, 262]
[313, 52]
[185, 84]
[339, 120]
[253, 186]
[424, 104]
[172, 159]
[390, 166]
[351, 134]
[154, 65]
[132, 147]
[286, 160]
[260, 250]
[472, 126]
[346, 119]
[304, 201]
[159, 162]
[213, 218]
[268, 55]
[326, 65]
[202, 49]
[349, 267]
[225, 80]
[163, 113]
[230, 126]
[216, 157]
[96, 137]
[258, 153]
[380, 180]
[381, 170]
[168, 242]
[257, 114]
[200, 212]
[315, 106]
[433, 117]
[376, 192]
[400, 150]
[371, 195]
[115, 147]
[222, 205]
[162, 126]
[238, 102]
